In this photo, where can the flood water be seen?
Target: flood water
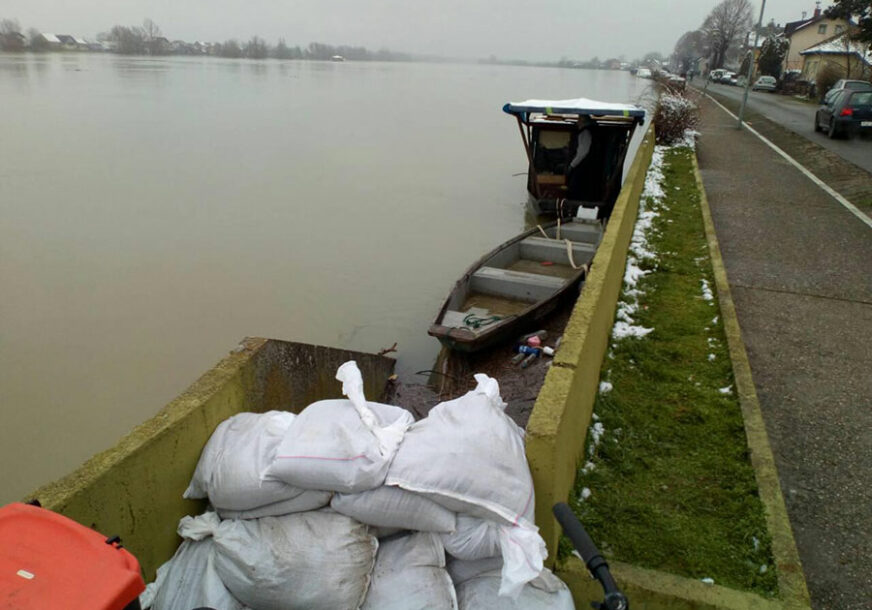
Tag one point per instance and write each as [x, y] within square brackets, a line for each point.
[153, 212]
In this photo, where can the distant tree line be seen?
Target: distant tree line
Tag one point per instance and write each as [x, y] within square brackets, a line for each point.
[147, 39]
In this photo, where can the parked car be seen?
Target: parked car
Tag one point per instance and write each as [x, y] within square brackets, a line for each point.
[844, 83]
[847, 112]
[732, 79]
[716, 75]
[765, 83]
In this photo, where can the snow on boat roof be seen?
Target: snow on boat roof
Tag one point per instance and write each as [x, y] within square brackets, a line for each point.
[577, 106]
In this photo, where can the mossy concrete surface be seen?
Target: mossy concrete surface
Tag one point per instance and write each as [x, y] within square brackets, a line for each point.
[134, 489]
[558, 424]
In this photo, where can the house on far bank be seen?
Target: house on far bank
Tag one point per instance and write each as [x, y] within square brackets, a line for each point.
[67, 42]
[807, 33]
[848, 58]
[52, 42]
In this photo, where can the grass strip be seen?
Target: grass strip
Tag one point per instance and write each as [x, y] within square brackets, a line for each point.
[668, 483]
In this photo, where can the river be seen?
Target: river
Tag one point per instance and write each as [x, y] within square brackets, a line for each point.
[155, 211]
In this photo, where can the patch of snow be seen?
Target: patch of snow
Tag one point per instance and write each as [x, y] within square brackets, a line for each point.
[764, 568]
[585, 494]
[715, 319]
[622, 330]
[755, 542]
[605, 387]
[726, 390]
[707, 293]
[711, 357]
[708, 581]
[588, 467]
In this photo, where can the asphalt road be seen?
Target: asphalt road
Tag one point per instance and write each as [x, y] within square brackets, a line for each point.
[799, 118]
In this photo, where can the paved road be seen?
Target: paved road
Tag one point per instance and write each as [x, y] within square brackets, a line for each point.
[798, 267]
[799, 118]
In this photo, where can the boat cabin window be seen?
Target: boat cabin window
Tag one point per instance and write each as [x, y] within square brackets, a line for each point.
[551, 151]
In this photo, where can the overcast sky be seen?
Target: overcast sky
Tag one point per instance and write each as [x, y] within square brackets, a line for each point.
[532, 29]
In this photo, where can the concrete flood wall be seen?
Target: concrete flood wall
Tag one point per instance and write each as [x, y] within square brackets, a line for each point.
[134, 489]
[558, 425]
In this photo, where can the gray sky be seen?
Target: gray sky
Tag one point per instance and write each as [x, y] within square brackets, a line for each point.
[539, 29]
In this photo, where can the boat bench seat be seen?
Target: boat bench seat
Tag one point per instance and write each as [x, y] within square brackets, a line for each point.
[541, 249]
[517, 285]
[582, 232]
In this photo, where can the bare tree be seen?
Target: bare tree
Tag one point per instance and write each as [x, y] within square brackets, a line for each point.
[37, 42]
[255, 48]
[725, 27]
[151, 35]
[689, 48]
[10, 35]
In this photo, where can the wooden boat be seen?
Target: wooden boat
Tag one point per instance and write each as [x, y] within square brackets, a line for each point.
[520, 282]
[575, 151]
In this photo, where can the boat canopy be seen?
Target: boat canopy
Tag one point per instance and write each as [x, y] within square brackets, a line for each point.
[580, 106]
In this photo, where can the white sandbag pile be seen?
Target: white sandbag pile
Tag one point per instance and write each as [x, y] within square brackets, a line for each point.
[400, 495]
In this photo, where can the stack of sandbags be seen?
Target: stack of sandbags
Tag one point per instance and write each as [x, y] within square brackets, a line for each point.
[468, 456]
[399, 495]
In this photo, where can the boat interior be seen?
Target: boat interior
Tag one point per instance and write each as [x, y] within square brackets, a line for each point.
[524, 271]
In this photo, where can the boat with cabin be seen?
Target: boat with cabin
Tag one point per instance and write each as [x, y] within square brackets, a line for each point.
[575, 152]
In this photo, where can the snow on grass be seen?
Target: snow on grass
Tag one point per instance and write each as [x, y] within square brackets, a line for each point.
[605, 387]
[584, 495]
[596, 435]
[707, 293]
[711, 357]
[708, 581]
[726, 390]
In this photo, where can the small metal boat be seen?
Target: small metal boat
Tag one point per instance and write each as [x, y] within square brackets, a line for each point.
[575, 150]
[520, 282]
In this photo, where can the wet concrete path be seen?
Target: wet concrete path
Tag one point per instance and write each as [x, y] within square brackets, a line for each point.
[800, 271]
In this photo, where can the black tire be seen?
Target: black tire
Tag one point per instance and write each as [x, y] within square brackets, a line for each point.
[831, 132]
[817, 125]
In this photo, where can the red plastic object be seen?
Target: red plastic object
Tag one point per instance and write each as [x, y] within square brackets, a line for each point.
[50, 561]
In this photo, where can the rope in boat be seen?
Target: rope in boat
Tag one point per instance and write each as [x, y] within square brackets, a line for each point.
[569, 254]
[476, 322]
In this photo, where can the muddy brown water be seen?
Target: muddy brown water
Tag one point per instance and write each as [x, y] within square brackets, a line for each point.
[153, 212]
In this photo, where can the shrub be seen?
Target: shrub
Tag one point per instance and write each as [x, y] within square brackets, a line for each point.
[827, 77]
[673, 116]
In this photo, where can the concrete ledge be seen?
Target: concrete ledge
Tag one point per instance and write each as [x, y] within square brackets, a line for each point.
[134, 489]
[791, 580]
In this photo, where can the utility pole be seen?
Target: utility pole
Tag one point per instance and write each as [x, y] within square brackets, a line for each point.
[751, 65]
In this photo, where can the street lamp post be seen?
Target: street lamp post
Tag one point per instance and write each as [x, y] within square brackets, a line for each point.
[751, 66]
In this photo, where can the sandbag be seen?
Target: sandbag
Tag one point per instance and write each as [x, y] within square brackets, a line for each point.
[232, 462]
[189, 579]
[473, 538]
[340, 445]
[482, 593]
[318, 560]
[482, 472]
[410, 574]
[482, 467]
[462, 570]
[310, 499]
[393, 507]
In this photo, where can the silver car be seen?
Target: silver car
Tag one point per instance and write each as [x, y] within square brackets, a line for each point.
[764, 83]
